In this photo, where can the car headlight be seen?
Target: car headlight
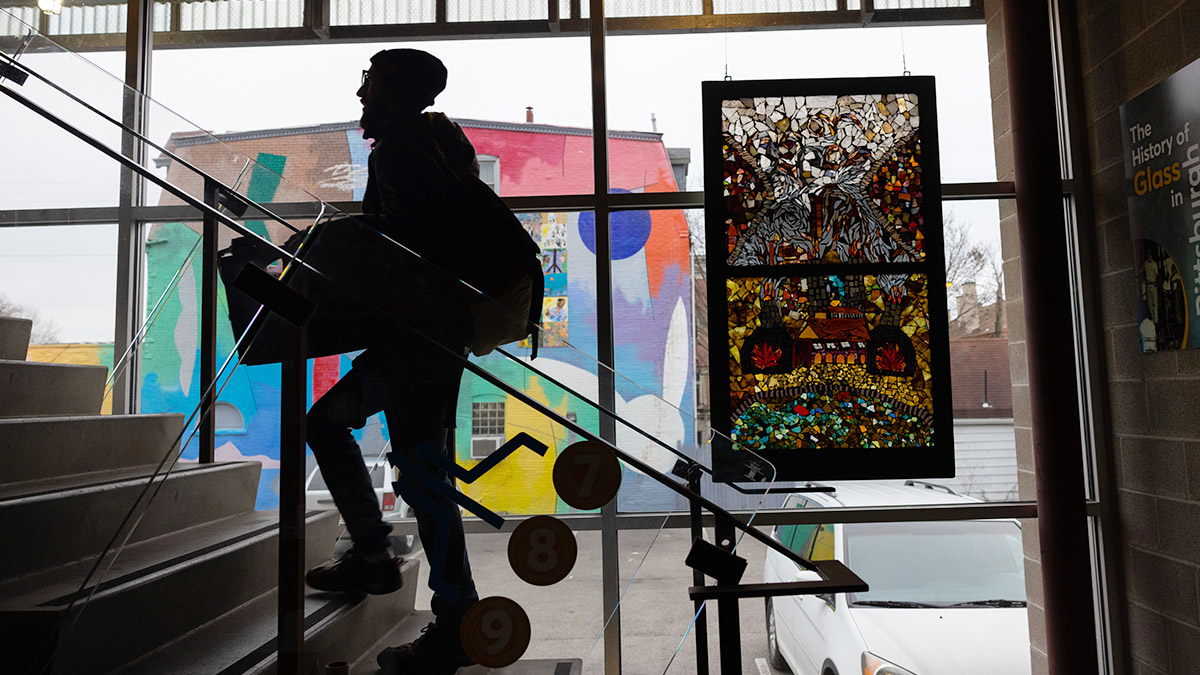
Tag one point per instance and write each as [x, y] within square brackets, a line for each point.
[873, 665]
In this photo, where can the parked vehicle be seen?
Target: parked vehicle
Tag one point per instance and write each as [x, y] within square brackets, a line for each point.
[945, 598]
[382, 475]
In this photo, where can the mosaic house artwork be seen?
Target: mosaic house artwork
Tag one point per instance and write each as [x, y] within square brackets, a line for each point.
[824, 236]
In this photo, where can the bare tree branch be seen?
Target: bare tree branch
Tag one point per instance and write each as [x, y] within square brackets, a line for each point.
[965, 259]
[45, 331]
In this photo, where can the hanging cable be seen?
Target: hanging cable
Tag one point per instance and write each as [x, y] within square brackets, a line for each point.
[725, 33]
[903, 50]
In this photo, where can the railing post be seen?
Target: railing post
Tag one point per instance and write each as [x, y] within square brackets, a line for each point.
[729, 629]
[292, 409]
[208, 326]
[701, 628]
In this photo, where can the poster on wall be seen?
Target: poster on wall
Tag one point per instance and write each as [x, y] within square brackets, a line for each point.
[824, 247]
[1162, 178]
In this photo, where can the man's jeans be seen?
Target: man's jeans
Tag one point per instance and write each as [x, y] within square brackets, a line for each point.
[415, 419]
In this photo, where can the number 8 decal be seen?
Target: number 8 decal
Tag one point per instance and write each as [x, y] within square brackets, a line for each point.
[542, 550]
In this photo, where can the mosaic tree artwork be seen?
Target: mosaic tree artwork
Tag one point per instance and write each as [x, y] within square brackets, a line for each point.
[823, 221]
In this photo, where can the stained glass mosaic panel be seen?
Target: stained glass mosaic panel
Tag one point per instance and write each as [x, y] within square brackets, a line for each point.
[830, 361]
[825, 197]
[822, 179]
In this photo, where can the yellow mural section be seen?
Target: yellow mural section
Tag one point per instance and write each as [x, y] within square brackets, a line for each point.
[523, 483]
[76, 354]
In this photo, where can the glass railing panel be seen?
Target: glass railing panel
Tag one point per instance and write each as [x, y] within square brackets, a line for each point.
[310, 272]
[56, 171]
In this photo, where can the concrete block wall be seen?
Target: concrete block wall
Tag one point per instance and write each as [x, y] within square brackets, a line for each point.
[1127, 46]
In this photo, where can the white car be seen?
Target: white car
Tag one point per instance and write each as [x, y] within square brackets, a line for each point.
[382, 474]
[945, 598]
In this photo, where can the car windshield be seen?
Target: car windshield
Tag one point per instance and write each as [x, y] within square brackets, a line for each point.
[971, 563]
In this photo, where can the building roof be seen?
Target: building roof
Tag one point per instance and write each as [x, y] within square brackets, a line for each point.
[184, 139]
[970, 358]
[976, 320]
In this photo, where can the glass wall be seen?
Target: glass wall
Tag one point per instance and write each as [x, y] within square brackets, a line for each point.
[61, 277]
[662, 94]
[525, 105]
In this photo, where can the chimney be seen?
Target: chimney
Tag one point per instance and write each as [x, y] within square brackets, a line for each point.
[968, 307]
[968, 299]
[528, 114]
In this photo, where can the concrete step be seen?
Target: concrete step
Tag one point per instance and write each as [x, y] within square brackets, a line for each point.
[338, 627]
[53, 586]
[44, 448]
[409, 629]
[14, 338]
[530, 667]
[75, 522]
[28, 389]
[175, 590]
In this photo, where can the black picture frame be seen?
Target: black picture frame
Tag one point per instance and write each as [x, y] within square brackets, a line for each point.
[935, 460]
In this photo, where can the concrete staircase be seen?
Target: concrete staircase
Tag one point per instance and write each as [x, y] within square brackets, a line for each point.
[192, 590]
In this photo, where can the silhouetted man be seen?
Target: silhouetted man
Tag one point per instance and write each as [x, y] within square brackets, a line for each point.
[415, 164]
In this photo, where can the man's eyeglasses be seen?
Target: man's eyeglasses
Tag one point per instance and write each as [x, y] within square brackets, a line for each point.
[366, 76]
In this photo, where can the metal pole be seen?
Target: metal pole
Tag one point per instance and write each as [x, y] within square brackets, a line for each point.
[1057, 443]
[208, 326]
[139, 38]
[729, 629]
[293, 405]
[610, 557]
[701, 628]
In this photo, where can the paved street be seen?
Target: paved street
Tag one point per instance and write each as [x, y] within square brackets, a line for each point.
[567, 617]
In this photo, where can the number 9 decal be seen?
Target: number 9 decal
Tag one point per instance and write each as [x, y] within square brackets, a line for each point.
[542, 550]
[495, 632]
[587, 475]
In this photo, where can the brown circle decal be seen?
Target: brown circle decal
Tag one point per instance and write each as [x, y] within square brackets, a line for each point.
[542, 550]
[495, 632]
[587, 475]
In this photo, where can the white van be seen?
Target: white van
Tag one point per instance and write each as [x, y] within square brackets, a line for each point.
[945, 598]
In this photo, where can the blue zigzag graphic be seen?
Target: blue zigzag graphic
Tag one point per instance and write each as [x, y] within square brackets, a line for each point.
[414, 473]
[469, 476]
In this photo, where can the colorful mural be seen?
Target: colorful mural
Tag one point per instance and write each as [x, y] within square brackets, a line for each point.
[827, 192]
[652, 306]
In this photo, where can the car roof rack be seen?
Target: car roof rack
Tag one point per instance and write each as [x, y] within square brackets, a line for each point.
[931, 486]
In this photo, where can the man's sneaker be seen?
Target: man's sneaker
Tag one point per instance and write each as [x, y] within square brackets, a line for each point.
[438, 650]
[375, 573]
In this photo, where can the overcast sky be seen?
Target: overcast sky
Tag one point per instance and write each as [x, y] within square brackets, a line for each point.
[68, 273]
